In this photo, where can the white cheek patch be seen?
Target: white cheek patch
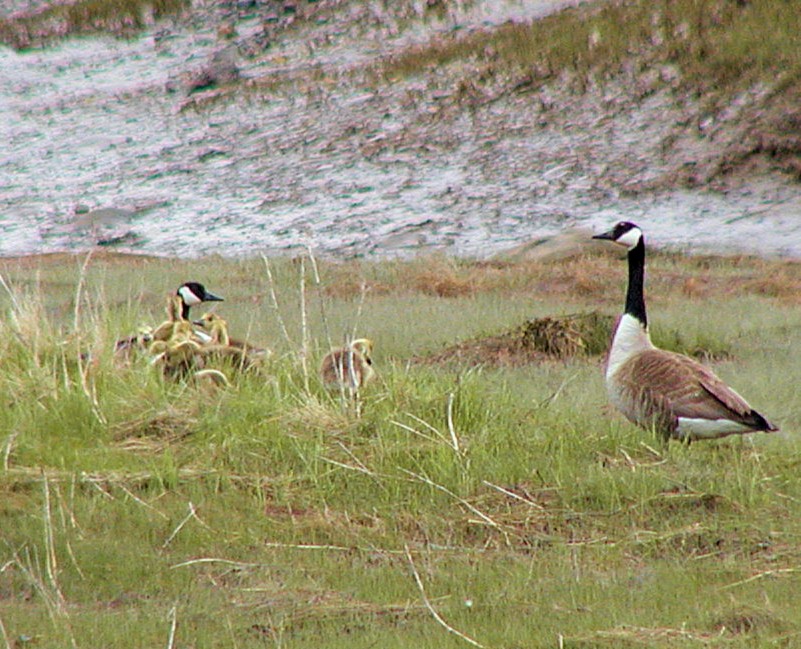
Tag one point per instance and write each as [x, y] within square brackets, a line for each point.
[630, 238]
[188, 296]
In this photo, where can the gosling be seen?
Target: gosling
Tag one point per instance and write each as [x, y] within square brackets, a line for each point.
[221, 345]
[349, 367]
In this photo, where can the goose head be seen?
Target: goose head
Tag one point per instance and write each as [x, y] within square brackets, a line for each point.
[625, 233]
[192, 294]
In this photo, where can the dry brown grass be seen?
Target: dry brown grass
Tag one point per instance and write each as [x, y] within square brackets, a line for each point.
[443, 280]
[784, 283]
[587, 276]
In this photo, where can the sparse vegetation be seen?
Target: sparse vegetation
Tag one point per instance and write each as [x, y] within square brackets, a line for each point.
[716, 45]
[506, 503]
[118, 17]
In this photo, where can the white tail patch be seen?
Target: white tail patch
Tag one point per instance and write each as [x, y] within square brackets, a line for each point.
[709, 428]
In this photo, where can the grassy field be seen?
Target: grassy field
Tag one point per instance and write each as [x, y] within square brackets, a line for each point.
[492, 505]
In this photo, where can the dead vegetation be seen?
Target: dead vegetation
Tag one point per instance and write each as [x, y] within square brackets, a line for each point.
[536, 340]
[575, 279]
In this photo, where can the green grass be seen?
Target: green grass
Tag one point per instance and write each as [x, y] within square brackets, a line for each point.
[137, 512]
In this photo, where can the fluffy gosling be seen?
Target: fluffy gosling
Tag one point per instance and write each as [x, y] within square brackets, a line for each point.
[348, 367]
[222, 346]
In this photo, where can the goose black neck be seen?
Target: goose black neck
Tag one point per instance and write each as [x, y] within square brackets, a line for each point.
[184, 310]
[635, 300]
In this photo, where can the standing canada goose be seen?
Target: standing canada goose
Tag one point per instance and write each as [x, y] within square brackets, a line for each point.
[348, 367]
[676, 395]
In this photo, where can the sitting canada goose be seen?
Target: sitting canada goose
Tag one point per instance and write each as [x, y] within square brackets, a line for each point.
[348, 367]
[187, 295]
[678, 396]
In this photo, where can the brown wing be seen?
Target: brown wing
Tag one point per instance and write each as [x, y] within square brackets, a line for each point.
[685, 388]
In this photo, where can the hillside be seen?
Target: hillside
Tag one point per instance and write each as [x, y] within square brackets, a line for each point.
[380, 129]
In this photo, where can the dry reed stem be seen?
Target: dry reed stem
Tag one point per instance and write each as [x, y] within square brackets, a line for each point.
[415, 431]
[7, 449]
[6, 639]
[74, 523]
[304, 329]
[326, 328]
[56, 607]
[203, 560]
[342, 465]
[452, 443]
[192, 514]
[173, 615]
[136, 499]
[353, 387]
[484, 517]
[318, 284]
[83, 368]
[451, 429]
[431, 609]
[309, 546]
[274, 298]
[15, 308]
[761, 575]
[512, 494]
[551, 398]
[51, 562]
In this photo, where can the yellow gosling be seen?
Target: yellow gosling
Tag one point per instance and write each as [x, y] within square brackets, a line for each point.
[348, 367]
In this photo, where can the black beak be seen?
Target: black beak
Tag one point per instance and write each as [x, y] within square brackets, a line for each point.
[210, 297]
[608, 236]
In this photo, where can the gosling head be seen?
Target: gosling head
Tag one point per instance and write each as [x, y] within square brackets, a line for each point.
[364, 346]
[216, 326]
